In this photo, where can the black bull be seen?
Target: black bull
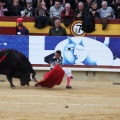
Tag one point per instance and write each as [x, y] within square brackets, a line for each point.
[15, 64]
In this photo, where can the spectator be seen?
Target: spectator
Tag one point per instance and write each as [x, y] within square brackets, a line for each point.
[3, 8]
[116, 7]
[77, 1]
[72, 3]
[80, 12]
[55, 11]
[8, 2]
[49, 3]
[2, 3]
[22, 3]
[15, 8]
[99, 2]
[42, 18]
[21, 29]
[6, 7]
[34, 3]
[67, 15]
[106, 11]
[41, 9]
[29, 11]
[94, 11]
[87, 4]
[57, 29]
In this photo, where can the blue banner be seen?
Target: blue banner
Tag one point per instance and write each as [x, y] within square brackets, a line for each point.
[20, 43]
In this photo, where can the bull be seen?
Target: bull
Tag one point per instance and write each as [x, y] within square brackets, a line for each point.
[16, 64]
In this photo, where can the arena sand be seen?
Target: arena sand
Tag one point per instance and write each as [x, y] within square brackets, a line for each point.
[86, 101]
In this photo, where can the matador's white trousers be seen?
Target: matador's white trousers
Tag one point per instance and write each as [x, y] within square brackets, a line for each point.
[68, 72]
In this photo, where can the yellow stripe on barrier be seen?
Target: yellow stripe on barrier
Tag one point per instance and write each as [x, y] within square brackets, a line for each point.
[105, 32]
[112, 29]
[45, 30]
[7, 24]
[109, 26]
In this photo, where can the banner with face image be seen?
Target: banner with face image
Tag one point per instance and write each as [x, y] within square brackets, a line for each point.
[76, 50]
[94, 51]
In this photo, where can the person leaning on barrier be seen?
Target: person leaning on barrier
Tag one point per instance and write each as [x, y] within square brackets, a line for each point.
[106, 13]
[57, 29]
[41, 9]
[42, 18]
[21, 29]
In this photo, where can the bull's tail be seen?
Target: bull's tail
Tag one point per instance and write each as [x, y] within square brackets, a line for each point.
[33, 77]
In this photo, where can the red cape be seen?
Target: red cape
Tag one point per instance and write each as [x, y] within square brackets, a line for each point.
[53, 77]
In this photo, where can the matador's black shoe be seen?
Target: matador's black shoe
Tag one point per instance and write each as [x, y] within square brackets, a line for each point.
[68, 87]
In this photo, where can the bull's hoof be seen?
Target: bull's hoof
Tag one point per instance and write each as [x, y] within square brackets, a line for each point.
[12, 86]
[28, 84]
[23, 84]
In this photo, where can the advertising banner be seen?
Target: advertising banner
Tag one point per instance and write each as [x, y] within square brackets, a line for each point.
[97, 51]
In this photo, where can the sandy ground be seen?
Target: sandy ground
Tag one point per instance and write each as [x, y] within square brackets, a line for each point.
[86, 101]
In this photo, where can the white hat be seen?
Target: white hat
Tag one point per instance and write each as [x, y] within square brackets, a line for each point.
[28, 1]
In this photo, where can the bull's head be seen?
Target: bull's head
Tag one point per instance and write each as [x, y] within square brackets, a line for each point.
[25, 79]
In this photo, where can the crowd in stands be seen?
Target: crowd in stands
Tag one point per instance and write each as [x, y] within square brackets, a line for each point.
[46, 11]
[60, 8]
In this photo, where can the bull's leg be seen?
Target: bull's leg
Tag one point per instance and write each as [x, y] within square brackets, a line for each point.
[10, 80]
